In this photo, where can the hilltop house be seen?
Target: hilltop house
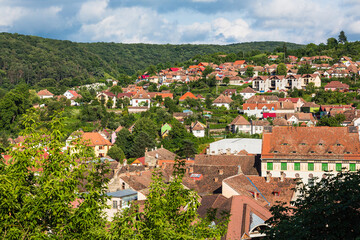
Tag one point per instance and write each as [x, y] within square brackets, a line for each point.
[247, 93]
[45, 94]
[141, 98]
[198, 129]
[72, 95]
[222, 101]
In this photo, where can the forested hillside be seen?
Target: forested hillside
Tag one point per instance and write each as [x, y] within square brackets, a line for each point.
[31, 59]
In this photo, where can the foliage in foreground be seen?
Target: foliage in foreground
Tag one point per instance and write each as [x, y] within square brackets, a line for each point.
[40, 185]
[170, 213]
[328, 210]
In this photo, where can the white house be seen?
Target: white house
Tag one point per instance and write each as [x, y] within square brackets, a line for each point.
[222, 101]
[72, 95]
[141, 98]
[45, 94]
[247, 93]
[198, 129]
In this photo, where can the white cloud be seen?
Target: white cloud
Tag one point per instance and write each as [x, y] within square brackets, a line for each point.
[205, 1]
[128, 25]
[92, 11]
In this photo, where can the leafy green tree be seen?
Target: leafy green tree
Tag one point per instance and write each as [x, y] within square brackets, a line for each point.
[141, 141]
[171, 105]
[208, 101]
[331, 121]
[281, 69]
[124, 140]
[116, 89]
[332, 43]
[319, 209]
[170, 213]
[116, 153]
[342, 37]
[226, 80]
[207, 71]
[43, 181]
[187, 149]
[249, 72]
[109, 103]
[146, 125]
[305, 69]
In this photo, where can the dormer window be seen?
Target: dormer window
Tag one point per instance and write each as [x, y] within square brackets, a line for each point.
[320, 144]
[221, 172]
[275, 151]
[285, 144]
[276, 193]
[293, 152]
[330, 152]
[338, 144]
[303, 144]
[312, 151]
[348, 152]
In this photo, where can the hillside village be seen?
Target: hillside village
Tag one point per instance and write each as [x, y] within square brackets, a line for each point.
[244, 144]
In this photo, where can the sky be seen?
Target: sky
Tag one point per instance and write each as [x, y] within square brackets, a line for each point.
[182, 21]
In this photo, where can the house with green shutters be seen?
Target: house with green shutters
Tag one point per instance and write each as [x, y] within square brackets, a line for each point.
[309, 152]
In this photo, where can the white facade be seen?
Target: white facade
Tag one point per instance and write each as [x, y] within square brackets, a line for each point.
[198, 133]
[303, 167]
[226, 105]
[136, 102]
[235, 145]
[247, 95]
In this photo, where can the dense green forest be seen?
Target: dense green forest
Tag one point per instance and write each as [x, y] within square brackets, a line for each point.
[30, 59]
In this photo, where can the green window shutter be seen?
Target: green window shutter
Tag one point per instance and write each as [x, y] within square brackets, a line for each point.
[310, 166]
[297, 166]
[352, 167]
[269, 166]
[338, 167]
[324, 167]
[283, 166]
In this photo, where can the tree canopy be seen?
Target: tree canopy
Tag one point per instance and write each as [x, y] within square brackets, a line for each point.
[330, 209]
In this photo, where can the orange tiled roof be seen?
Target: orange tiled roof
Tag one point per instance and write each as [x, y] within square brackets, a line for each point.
[299, 143]
[95, 139]
[187, 95]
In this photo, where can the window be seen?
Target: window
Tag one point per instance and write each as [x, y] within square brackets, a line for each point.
[338, 167]
[303, 144]
[310, 166]
[269, 166]
[320, 144]
[283, 166]
[115, 204]
[352, 167]
[297, 166]
[324, 167]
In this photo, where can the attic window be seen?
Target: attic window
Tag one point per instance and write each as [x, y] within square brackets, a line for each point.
[275, 151]
[216, 179]
[303, 144]
[285, 144]
[293, 152]
[276, 194]
[338, 144]
[320, 144]
[312, 151]
[221, 172]
[330, 152]
[348, 152]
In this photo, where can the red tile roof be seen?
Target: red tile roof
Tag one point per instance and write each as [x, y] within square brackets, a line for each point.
[223, 99]
[44, 92]
[187, 95]
[95, 139]
[240, 120]
[299, 143]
